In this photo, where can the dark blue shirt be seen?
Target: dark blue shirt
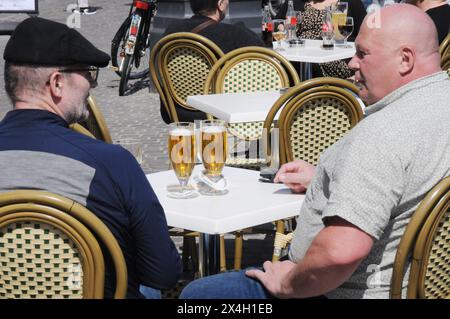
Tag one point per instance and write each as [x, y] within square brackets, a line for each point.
[39, 151]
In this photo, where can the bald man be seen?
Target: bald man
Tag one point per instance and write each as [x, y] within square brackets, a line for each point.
[367, 185]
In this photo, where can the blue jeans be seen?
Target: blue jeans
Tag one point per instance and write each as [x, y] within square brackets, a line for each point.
[228, 285]
[150, 293]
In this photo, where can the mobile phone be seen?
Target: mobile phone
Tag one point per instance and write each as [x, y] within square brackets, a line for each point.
[268, 174]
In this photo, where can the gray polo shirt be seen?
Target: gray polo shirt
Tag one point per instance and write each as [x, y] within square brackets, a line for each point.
[377, 174]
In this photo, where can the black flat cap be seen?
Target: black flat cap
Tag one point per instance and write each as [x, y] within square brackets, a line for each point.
[44, 42]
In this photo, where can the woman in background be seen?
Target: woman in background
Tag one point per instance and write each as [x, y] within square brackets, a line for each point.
[311, 28]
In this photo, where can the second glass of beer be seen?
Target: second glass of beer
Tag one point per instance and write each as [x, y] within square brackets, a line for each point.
[214, 149]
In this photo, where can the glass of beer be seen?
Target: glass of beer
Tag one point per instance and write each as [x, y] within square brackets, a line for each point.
[182, 158]
[214, 154]
[338, 17]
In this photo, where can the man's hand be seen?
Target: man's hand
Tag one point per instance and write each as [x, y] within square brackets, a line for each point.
[273, 278]
[296, 175]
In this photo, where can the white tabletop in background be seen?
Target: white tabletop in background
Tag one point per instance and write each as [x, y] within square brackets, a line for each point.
[248, 203]
[313, 53]
[236, 107]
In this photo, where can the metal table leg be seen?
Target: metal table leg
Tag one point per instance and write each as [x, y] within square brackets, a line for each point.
[209, 254]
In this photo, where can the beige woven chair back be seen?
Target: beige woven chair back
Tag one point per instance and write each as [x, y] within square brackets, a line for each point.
[179, 65]
[49, 248]
[444, 48]
[95, 125]
[427, 239]
[250, 69]
[313, 116]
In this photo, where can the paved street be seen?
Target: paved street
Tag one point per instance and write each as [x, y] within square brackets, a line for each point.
[134, 116]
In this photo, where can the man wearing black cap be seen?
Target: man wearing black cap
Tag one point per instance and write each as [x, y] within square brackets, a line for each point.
[49, 71]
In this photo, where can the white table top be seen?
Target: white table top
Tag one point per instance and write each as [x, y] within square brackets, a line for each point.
[248, 203]
[236, 107]
[239, 107]
[313, 53]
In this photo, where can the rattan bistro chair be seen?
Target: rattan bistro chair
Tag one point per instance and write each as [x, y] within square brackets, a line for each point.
[95, 124]
[49, 248]
[313, 116]
[445, 63]
[444, 47]
[427, 241]
[249, 69]
[179, 65]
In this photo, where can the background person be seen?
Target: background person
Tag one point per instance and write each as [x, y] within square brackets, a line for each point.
[368, 184]
[48, 77]
[312, 13]
[206, 21]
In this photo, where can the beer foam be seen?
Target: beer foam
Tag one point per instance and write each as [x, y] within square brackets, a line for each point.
[213, 129]
[181, 132]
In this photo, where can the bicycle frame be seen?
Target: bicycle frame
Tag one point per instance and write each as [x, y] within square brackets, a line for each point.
[141, 13]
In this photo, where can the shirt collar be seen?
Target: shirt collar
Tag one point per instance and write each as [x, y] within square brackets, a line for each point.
[401, 91]
[33, 116]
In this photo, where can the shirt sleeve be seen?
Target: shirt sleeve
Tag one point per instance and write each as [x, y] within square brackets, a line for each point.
[157, 259]
[366, 182]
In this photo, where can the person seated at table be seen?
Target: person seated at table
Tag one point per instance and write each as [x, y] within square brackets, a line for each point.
[310, 27]
[206, 21]
[48, 74]
[439, 12]
[366, 187]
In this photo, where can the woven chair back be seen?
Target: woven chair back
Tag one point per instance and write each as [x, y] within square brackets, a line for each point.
[427, 239]
[179, 65]
[49, 248]
[313, 116]
[250, 69]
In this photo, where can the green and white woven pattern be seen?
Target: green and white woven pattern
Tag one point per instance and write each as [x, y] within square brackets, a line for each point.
[188, 70]
[250, 76]
[316, 126]
[38, 261]
[437, 276]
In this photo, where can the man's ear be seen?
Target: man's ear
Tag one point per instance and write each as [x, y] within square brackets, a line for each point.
[221, 5]
[56, 84]
[408, 58]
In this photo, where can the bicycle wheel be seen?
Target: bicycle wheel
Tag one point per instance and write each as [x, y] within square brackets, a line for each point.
[117, 44]
[125, 76]
[141, 64]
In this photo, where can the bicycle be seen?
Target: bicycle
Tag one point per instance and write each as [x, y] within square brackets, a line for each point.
[130, 47]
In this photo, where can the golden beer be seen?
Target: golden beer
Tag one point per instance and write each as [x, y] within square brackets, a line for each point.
[214, 149]
[337, 19]
[182, 152]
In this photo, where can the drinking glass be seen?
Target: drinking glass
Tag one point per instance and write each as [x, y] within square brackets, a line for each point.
[279, 33]
[346, 30]
[214, 154]
[181, 147]
[338, 16]
[134, 146]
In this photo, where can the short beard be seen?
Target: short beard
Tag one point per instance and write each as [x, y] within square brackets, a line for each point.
[78, 114]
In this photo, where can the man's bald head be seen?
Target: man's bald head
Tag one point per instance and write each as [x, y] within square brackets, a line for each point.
[404, 25]
[395, 45]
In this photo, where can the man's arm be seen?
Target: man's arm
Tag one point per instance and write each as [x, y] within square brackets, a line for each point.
[333, 256]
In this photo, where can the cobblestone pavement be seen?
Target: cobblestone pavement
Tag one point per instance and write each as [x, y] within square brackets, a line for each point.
[133, 116]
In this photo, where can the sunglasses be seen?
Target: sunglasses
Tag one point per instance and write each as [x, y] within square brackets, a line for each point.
[93, 71]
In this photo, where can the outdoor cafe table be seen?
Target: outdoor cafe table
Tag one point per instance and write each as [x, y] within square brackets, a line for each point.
[312, 52]
[248, 203]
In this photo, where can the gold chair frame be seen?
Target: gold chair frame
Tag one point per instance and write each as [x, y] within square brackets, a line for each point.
[160, 58]
[427, 239]
[75, 222]
[444, 47]
[445, 63]
[95, 125]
